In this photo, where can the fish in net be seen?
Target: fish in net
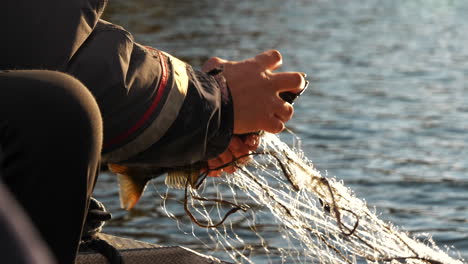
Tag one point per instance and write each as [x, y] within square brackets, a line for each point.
[316, 219]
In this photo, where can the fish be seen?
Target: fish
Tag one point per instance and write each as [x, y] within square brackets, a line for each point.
[134, 179]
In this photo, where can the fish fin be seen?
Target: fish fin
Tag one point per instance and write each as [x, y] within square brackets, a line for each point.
[116, 168]
[178, 178]
[130, 190]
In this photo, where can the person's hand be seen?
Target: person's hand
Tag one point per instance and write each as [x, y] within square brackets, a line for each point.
[255, 91]
[240, 146]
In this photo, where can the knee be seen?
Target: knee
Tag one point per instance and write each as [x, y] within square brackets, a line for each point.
[79, 110]
[74, 99]
[58, 103]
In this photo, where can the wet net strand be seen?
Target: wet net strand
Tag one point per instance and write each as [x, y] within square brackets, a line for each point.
[318, 218]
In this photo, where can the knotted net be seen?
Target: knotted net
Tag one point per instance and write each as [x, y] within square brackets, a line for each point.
[316, 219]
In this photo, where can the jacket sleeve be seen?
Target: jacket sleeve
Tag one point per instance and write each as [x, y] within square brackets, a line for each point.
[156, 109]
[45, 34]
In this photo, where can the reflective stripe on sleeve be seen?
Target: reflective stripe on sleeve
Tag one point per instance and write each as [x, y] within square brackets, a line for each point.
[168, 114]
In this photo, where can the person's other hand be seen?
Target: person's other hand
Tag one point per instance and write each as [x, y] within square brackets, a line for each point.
[255, 90]
[240, 146]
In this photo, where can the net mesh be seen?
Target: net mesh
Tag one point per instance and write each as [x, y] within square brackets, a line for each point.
[296, 215]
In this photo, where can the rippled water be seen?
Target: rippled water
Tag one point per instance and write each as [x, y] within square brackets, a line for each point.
[387, 109]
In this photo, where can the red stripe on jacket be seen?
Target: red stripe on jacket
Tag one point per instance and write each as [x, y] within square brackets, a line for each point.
[159, 94]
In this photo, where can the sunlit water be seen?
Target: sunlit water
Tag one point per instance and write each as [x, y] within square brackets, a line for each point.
[386, 112]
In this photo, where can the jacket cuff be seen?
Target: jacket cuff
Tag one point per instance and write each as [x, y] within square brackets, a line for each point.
[220, 140]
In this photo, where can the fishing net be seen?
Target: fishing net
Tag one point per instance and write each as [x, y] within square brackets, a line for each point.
[294, 215]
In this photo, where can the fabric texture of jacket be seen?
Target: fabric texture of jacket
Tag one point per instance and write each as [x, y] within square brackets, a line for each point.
[156, 109]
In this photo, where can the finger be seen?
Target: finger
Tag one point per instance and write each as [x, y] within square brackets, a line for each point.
[237, 146]
[212, 63]
[229, 157]
[212, 164]
[270, 60]
[214, 173]
[274, 125]
[239, 149]
[251, 141]
[288, 81]
[223, 160]
[285, 113]
[226, 157]
[230, 169]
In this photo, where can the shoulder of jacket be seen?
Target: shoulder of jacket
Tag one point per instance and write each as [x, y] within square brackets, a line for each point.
[105, 26]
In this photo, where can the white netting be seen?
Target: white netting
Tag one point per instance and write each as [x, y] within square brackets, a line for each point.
[317, 219]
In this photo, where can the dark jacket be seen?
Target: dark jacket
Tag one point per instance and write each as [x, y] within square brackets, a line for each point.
[156, 108]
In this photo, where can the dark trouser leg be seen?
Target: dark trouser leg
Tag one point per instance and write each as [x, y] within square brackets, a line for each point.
[51, 136]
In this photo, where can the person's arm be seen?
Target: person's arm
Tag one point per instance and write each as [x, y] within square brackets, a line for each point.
[156, 109]
[188, 118]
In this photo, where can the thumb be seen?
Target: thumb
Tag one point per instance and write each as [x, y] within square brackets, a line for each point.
[270, 60]
[212, 63]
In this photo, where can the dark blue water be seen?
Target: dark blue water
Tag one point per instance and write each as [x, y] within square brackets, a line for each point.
[386, 112]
